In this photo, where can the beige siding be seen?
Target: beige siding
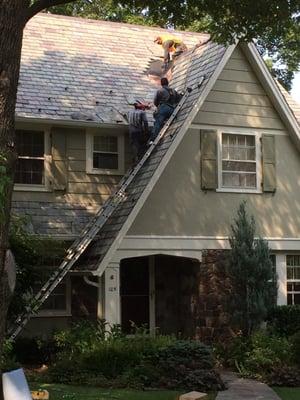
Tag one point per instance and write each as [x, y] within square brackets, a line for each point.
[81, 187]
[238, 99]
[177, 205]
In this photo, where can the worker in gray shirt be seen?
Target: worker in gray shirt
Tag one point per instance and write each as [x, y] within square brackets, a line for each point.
[138, 130]
[165, 100]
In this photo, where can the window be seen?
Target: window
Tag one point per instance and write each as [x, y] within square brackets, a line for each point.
[30, 164]
[238, 161]
[105, 153]
[293, 279]
[57, 301]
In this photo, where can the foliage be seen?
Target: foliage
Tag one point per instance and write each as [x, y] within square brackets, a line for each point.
[295, 341]
[31, 252]
[262, 356]
[250, 271]
[100, 355]
[183, 364]
[4, 182]
[284, 375]
[284, 320]
[7, 360]
[275, 24]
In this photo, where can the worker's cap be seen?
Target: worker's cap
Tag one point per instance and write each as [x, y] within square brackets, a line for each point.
[138, 104]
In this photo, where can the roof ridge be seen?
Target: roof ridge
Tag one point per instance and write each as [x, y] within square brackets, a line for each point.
[102, 21]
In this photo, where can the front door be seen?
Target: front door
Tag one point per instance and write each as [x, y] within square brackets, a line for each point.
[134, 292]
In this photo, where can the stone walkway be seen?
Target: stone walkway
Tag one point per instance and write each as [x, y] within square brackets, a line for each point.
[245, 389]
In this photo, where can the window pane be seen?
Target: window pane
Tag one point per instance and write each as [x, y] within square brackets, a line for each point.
[57, 300]
[239, 166]
[297, 298]
[106, 143]
[29, 171]
[289, 299]
[105, 161]
[30, 143]
[239, 180]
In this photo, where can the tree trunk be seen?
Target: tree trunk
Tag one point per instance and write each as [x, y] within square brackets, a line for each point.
[12, 22]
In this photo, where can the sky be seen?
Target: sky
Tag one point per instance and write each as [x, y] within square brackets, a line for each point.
[296, 88]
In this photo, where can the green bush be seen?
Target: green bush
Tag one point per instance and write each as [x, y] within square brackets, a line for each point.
[91, 355]
[295, 341]
[181, 365]
[284, 375]
[284, 320]
[34, 351]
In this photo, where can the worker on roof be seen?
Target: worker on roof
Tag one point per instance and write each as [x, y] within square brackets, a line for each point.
[166, 99]
[138, 129]
[171, 44]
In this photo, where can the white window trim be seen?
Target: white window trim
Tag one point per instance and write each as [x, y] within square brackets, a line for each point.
[89, 153]
[59, 313]
[47, 163]
[290, 280]
[258, 135]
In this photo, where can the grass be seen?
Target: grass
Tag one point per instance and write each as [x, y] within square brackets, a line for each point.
[287, 393]
[66, 392]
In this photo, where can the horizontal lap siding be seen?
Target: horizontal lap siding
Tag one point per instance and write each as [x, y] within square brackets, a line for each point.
[238, 99]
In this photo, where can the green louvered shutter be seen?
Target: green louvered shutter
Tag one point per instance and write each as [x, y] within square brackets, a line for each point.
[268, 163]
[209, 162]
[59, 162]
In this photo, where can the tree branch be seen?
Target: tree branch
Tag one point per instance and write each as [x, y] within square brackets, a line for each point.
[40, 5]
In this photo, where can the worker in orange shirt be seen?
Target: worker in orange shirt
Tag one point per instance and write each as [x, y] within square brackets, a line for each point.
[170, 44]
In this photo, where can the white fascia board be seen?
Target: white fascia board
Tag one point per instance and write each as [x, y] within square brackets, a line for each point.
[164, 162]
[273, 91]
[68, 122]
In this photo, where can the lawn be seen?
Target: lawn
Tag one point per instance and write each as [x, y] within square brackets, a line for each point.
[65, 392]
[286, 393]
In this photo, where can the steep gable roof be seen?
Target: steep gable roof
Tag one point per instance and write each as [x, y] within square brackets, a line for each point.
[74, 66]
[199, 69]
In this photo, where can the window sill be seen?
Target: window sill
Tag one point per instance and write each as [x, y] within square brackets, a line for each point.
[30, 188]
[229, 190]
[105, 172]
[43, 314]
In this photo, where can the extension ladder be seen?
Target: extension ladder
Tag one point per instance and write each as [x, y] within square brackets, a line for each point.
[92, 228]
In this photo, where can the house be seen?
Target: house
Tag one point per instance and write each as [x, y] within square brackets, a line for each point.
[157, 258]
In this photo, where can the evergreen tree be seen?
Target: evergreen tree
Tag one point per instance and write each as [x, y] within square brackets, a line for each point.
[251, 273]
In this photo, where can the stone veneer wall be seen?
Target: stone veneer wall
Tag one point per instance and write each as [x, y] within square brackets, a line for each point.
[210, 312]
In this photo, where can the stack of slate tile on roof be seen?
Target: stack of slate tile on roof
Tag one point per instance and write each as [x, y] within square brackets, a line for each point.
[189, 70]
[74, 68]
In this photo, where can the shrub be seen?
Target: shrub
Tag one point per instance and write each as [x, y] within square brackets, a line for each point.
[257, 355]
[284, 375]
[137, 361]
[182, 365]
[284, 320]
[295, 341]
[33, 351]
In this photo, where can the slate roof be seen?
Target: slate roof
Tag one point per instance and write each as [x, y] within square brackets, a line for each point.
[294, 106]
[193, 67]
[87, 69]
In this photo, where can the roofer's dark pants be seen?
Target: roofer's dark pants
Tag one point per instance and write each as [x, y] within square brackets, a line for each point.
[164, 112]
[138, 141]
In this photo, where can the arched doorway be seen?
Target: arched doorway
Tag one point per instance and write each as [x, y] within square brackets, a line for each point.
[160, 291]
